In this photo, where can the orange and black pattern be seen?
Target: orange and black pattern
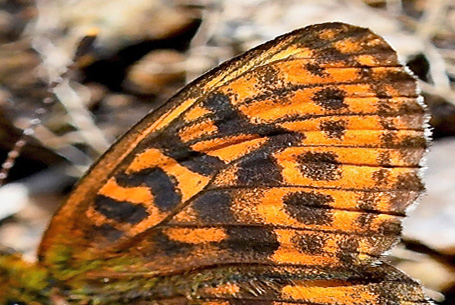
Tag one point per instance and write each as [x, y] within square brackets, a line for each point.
[280, 177]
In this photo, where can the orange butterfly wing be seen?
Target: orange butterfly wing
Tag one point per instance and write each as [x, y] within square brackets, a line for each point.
[279, 177]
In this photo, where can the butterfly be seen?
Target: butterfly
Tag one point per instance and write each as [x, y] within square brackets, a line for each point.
[280, 177]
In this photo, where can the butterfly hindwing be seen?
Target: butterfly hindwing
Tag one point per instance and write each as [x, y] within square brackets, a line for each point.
[278, 177]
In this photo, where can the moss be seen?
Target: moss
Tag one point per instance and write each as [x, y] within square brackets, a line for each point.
[22, 281]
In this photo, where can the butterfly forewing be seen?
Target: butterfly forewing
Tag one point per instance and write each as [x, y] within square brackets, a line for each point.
[279, 177]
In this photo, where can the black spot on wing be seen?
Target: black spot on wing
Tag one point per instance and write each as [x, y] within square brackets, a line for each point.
[381, 176]
[385, 108]
[120, 211]
[229, 121]
[202, 164]
[110, 233]
[388, 139]
[163, 187]
[387, 123]
[364, 220]
[259, 169]
[312, 244]
[171, 145]
[330, 98]
[281, 140]
[214, 207]
[384, 158]
[168, 246]
[309, 207]
[320, 166]
[315, 69]
[334, 129]
[367, 201]
[258, 241]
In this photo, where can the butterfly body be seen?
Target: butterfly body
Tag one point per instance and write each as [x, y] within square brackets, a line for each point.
[279, 177]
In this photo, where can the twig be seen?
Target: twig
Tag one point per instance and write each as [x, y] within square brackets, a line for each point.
[14, 153]
[72, 100]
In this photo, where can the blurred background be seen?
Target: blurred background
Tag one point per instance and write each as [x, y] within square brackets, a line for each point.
[147, 49]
